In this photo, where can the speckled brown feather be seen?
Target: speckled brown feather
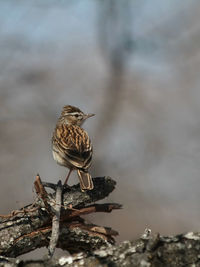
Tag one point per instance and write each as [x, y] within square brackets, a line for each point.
[74, 146]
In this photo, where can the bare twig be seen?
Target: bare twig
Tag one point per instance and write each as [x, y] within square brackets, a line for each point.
[16, 212]
[24, 210]
[106, 207]
[42, 193]
[40, 190]
[56, 220]
[50, 185]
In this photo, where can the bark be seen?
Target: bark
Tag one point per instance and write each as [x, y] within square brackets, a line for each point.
[31, 227]
[149, 250]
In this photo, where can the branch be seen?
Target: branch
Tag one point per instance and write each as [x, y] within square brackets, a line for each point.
[149, 250]
[106, 207]
[30, 228]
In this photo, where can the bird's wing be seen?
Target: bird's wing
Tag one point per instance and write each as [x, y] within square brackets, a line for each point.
[74, 145]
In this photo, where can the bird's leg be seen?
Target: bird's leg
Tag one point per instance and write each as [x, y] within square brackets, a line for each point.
[67, 177]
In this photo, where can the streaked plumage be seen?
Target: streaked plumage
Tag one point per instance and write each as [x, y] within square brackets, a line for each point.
[71, 144]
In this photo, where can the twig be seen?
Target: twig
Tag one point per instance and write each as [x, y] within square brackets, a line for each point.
[16, 212]
[50, 185]
[42, 193]
[106, 207]
[22, 211]
[56, 221]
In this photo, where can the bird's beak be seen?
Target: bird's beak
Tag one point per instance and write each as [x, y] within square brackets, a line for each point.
[88, 115]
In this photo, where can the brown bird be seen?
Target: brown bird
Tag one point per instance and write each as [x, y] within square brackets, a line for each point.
[71, 145]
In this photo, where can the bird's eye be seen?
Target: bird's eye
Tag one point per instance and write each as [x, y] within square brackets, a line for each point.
[76, 115]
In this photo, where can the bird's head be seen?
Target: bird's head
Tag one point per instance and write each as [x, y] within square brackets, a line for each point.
[74, 116]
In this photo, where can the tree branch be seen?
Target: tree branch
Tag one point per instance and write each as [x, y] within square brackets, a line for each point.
[149, 250]
[30, 227]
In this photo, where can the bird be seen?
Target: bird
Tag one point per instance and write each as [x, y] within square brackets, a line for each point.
[71, 145]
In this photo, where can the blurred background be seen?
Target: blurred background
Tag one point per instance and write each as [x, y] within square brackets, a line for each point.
[135, 64]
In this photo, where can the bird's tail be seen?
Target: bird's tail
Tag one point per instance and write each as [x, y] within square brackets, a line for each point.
[86, 182]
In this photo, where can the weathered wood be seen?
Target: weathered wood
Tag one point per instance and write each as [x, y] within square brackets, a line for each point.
[30, 228]
[42, 193]
[56, 220]
[148, 251]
